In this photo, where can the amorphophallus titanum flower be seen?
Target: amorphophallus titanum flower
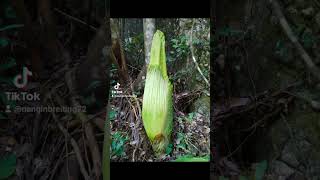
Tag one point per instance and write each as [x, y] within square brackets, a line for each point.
[157, 107]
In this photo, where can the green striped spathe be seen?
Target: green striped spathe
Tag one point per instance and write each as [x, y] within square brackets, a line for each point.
[157, 109]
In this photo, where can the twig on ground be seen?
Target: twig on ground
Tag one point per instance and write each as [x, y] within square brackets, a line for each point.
[75, 147]
[242, 143]
[134, 129]
[93, 145]
[66, 145]
[84, 146]
[55, 168]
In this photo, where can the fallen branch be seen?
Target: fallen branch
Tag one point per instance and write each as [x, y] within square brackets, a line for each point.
[75, 147]
[93, 146]
[134, 129]
[94, 149]
[286, 28]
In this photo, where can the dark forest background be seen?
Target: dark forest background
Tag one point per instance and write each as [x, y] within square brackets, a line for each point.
[265, 120]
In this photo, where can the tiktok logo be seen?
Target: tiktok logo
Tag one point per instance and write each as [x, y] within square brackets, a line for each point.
[20, 81]
[116, 92]
[117, 86]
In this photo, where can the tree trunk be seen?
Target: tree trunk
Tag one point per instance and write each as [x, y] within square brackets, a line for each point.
[93, 69]
[118, 56]
[148, 31]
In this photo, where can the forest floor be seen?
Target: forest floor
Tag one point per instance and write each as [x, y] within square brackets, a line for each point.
[51, 144]
[266, 112]
[130, 143]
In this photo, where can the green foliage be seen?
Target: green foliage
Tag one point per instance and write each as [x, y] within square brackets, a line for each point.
[185, 73]
[181, 141]
[243, 178]
[134, 44]
[230, 32]
[11, 63]
[112, 114]
[89, 100]
[4, 42]
[8, 63]
[7, 80]
[9, 12]
[190, 158]
[190, 117]
[180, 48]
[137, 93]
[7, 166]
[280, 49]
[260, 170]
[201, 44]
[134, 47]
[182, 74]
[223, 178]
[7, 15]
[184, 142]
[169, 149]
[117, 145]
[308, 39]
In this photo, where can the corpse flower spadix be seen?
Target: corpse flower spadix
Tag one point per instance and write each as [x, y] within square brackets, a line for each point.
[157, 110]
